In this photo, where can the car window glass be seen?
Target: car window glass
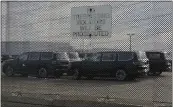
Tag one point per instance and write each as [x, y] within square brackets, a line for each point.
[73, 55]
[34, 56]
[125, 56]
[96, 57]
[154, 56]
[89, 55]
[46, 56]
[23, 57]
[108, 57]
[62, 56]
[142, 55]
[81, 55]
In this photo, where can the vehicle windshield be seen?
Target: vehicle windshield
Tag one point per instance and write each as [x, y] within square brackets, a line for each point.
[156, 55]
[81, 55]
[62, 55]
[73, 55]
[142, 55]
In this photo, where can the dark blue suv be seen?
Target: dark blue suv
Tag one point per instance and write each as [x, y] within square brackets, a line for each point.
[122, 65]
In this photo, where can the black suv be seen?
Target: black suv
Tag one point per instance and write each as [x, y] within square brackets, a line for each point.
[121, 65]
[158, 62]
[39, 63]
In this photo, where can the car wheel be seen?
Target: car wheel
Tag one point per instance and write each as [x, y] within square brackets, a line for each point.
[42, 73]
[76, 74]
[121, 75]
[9, 71]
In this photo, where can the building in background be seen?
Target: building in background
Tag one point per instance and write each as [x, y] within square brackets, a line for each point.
[28, 26]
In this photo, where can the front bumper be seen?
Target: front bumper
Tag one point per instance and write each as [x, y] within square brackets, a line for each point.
[143, 70]
[168, 68]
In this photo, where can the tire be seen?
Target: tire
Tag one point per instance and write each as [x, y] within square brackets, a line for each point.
[42, 73]
[9, 71]
[121, 75]
[76, 74]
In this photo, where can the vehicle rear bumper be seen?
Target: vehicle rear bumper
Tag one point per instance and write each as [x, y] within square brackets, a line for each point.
[167, 68]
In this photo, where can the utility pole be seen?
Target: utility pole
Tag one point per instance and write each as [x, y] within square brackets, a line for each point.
[83, 44]
[130, 40]
[90, 42]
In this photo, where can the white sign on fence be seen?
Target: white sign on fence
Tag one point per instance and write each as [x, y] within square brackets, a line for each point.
[91, 21]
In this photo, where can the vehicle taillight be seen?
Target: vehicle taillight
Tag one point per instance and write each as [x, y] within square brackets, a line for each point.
[168, 63]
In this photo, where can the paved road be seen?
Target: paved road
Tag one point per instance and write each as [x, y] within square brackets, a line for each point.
[12, 104]
[148, 89]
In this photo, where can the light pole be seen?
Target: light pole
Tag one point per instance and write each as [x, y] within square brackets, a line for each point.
[83, 44]
[90, 42]
[130, 40]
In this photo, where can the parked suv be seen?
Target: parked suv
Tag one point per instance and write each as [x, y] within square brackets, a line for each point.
[39, 63]
[158, 62]
[122, 65]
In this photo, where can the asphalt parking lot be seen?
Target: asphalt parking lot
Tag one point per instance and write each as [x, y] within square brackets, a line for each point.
[144, 90]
